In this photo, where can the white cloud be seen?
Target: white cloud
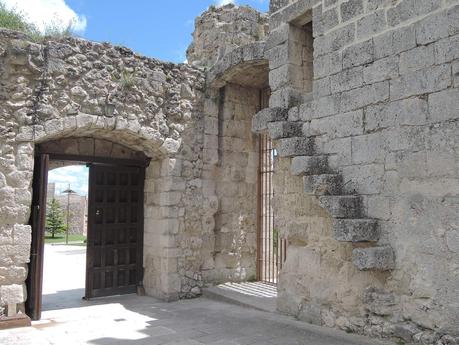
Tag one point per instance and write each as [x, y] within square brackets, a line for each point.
[225, 2]
[75, 175]
[46, 12]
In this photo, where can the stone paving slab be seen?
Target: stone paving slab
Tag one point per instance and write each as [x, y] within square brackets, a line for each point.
[135, 320]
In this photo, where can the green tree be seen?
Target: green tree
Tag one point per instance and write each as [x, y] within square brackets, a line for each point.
[55, 218]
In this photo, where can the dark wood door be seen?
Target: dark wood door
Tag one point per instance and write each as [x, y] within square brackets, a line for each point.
[37, 221]
[115, 230]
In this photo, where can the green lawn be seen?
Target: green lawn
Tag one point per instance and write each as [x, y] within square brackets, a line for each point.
[60, 238]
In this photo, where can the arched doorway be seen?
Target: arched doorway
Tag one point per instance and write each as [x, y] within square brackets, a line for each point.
[115, 215]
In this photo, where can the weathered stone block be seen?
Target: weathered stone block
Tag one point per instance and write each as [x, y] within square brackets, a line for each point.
[371, 24]
[261, 119]
[432, 28]
[355, 230]
[286, 97]
[426, 80]
[297, 146]
[309, 165]
[410, 111]
[351, 9]
[386, 68]
[417, 58]
[327, 64]
[11, 294]
[358, 54]
[363, 96]
[334, 40]
[446, 49]
[325, 184]
[377, 258]
[277, 36]
[340, 125]
[284, 129]
[394, 42]
[346, 80]
[444, 105]
[329, 19]
[342, 206]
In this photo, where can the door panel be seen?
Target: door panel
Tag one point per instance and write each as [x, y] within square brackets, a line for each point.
[115, 230]
[37, 221]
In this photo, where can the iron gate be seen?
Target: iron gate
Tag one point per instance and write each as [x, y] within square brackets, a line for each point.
[271, 249]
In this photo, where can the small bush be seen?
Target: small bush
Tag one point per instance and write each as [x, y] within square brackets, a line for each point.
[15, 20]
[127, 79]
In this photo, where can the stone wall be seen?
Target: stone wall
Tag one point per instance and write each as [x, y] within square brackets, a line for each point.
[220, 30]
[74, 88]
[236, 187]
[380, 138]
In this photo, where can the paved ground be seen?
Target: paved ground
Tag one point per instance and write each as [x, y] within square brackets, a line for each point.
[135, 320]
[64, 276]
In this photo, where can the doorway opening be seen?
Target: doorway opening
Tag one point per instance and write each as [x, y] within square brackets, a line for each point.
[65, 236]
[271, 249]
[109, 262]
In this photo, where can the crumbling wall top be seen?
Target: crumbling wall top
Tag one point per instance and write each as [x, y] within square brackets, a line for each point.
[220, 30]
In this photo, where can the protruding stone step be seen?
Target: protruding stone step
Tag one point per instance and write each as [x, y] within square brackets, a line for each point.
[342, 206]
[325, 184]
[261, 119]
[309, 165]
[356, 230]
[297, 146]
[374, 258]
[284, 129]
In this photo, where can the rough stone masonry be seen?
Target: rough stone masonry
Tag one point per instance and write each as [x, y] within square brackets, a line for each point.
[363, 112]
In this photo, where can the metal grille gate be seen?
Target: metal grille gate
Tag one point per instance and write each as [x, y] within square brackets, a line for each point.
[271, 249]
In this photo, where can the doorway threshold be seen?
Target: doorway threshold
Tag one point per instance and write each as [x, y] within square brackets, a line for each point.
[255, 295]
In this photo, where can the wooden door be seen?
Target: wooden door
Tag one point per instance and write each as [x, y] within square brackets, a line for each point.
[37, 221]
[115, 230]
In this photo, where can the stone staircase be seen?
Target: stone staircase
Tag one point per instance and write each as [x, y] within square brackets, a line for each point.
[349, 221]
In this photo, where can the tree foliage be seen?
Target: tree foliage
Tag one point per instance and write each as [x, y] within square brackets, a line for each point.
[55, 218]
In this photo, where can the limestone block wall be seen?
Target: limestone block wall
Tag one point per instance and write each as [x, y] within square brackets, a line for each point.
[219, 30]
[383, 113]
[236, 185]
[74, 88]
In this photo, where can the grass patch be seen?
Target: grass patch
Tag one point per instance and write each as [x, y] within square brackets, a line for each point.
[60, 238]
[14, 19]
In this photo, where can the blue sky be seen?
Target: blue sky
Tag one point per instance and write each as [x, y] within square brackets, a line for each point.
[155, 28]
[75, 175]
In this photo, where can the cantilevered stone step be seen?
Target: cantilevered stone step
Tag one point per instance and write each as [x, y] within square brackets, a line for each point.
[342, 206]
[325, 184]
[261, 119]
[356, 230]
[374, 258]
[309, 165]
[297, 146]
[284, 129]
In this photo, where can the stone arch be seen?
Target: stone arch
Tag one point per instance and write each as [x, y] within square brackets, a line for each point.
[245, 65]
[130, 132]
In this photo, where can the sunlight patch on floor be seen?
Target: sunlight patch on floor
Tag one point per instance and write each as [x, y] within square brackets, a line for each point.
[256, 289]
